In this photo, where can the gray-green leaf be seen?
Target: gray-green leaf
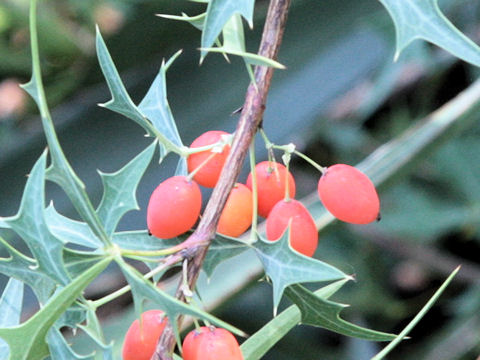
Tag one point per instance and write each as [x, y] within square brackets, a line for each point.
[11, 309]
[423, 19]
[285, 266]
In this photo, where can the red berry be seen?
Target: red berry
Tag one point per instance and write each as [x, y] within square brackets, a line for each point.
[210, 343]
[174, 207]
[303, 231]
[236, 216]
[210, 172]
[349, 194]
[141, 339]
[271, 185]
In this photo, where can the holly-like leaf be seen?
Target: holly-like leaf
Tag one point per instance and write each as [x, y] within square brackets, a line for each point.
[78, 261]
[23, 268]
[317, 311]
[285, 267]
[196, 21]
[93, 329]
[119, 190]
[221, 249]
[161, 117]
[415, 19]
[218, 13]
[144, 289]
[28, 340]
[60, 350]
[234, 44]
[11, 309]
[30, 224]
[141, 240]
[70, 231]
[256, 346]
[155, 108]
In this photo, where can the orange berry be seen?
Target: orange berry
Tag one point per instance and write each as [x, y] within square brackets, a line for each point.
[236, 216]
[174, 207]
[349, 195]
[210, 172]
[141, 339]
[210, 343]
[303, 232]
[271, 185]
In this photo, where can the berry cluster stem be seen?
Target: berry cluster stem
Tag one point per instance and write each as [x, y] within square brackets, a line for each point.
[250, 118]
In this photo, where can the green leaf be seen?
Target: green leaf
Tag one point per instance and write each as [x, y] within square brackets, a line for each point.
[218, 13]
[155, 107]
[416, 19]
[11, 309]
[60, 350]
[123, 104]
[93, 329]
[264, 339]
[60, 170]
[119, 190]
[285, 267]
[141, 240]
[196, 21]
[78, 261]
[317, 311]
[70, 231]
[221, 249]
[234, 44]
[121, 101]
[417, 318]
[144, 289]
[23, 268]
[30, 224]
[28, 340]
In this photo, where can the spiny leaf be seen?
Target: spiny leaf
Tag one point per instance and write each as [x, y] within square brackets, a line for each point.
[28, 340]
[94, 331]
[218, 13]
[78, 261]
[70, 231]
[415, 19]
[317, 311]
[234, 44]
[11, 309]
[23, 268]
[259, 343]
[161, 117]
[119, 190]
[121, 101]
[60, 171]
[60, 350]
[285, 267]
[155, 107]
[144, 289]
[74, 315]
[31, 225]
[141, 240]
[196, 21]
[221, 249]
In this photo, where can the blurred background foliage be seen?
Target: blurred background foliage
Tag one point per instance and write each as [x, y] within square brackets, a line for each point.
[340, 98]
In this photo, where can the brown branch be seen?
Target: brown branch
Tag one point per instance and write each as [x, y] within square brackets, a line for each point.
[248, 123]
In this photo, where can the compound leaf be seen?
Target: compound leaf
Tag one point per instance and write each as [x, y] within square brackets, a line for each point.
[415, 19]
[119, 190]
[285, 267]
[30, 224]
[11, 309]
[28, 340]
[218, 13]
[317, 311]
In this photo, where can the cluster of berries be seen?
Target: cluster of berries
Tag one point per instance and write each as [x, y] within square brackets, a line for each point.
[204, 343]
[175, 205]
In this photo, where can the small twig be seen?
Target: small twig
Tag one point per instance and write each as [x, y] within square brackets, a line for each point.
[250, 118]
